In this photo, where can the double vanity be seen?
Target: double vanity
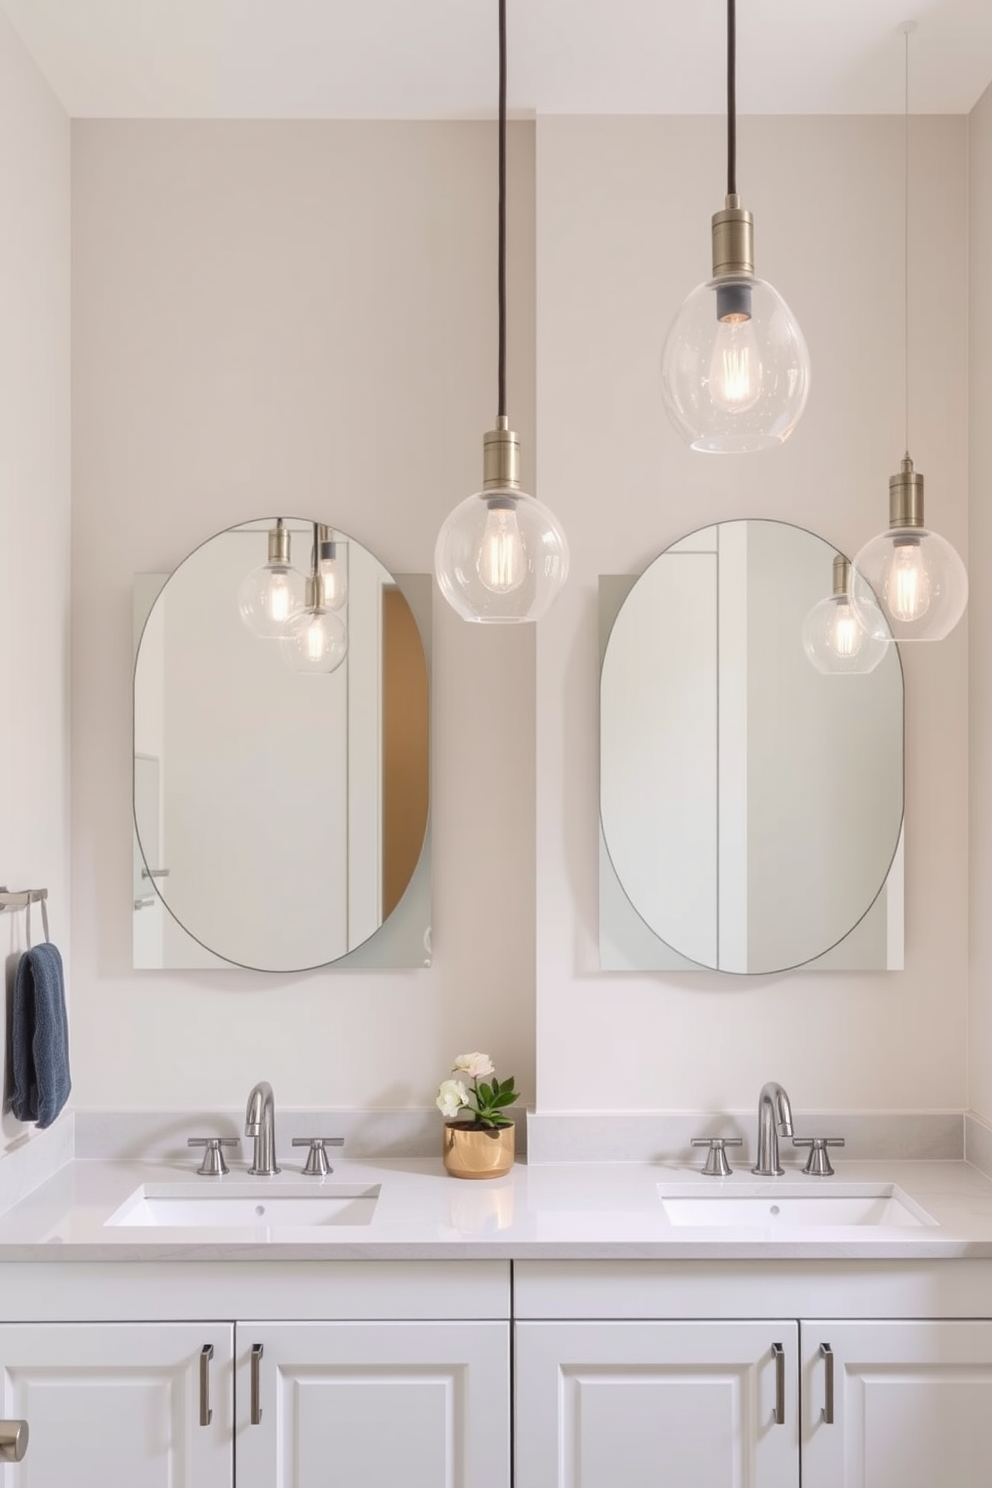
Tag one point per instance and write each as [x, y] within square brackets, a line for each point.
[638, 1322]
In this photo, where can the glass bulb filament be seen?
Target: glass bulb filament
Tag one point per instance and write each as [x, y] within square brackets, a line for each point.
[907, 584]
[502, 561]
[735, 366]
[279, 596]
[845, 634]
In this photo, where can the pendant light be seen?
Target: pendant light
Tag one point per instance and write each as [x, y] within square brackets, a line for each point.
[501, 557]
[735, 369]
[834, 639]
[315, 640]
[271, 595]
[908, 584]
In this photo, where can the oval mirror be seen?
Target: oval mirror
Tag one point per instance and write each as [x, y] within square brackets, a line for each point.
[751, 807]
[281, 804]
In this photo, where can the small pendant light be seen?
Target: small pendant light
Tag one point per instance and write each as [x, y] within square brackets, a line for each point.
[270, 596]
[501, 557]
[908, 584]
[833, 637]
[315, 640]
[735, 369]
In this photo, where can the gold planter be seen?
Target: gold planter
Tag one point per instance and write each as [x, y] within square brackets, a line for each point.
[477, 1152]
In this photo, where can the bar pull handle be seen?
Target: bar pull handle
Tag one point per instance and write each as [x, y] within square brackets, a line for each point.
[206, 1354]
[13, 1440]
[827, 1413]
[778, 1354]
[256, 1362]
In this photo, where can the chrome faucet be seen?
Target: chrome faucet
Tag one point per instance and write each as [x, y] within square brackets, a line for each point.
[260, 1123]
[773, 1108]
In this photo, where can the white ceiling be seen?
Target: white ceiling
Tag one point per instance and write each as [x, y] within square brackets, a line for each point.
[437, 58]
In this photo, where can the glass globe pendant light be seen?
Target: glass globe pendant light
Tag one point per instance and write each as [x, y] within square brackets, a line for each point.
[833, 637]
[734, 368]
[501, 556]
[908, 583]
[315, 640]
[271, 595]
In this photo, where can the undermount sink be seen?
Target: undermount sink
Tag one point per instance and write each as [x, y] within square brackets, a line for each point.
[289, 1206]
[777, 1204]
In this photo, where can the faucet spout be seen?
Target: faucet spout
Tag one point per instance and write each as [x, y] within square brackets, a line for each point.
[260, 1123]
[774, 1116]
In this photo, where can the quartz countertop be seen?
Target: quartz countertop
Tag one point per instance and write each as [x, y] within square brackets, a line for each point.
[569, 1211]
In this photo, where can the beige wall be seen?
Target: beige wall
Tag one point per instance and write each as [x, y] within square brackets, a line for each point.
[34, 499]
[980, 616]
[275, 311]
[623, 208]
[298, 317]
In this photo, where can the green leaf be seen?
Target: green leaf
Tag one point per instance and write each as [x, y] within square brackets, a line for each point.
[485, 1095]
[505, 1098]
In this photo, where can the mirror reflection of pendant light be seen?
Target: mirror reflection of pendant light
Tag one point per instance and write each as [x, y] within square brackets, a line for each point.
[735, 369]
[908, 584]
[833, 637]
[271, 595]
[501, 555]
[315, 640]
[333, 571]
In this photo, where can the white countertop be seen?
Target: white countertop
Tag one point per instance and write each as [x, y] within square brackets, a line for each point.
[569, 1211]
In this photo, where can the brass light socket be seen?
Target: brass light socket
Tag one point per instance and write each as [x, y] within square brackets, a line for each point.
[906, 496]
[733, 240]
[313, 598]
[501, 458]
[842, 575]
[279, 545]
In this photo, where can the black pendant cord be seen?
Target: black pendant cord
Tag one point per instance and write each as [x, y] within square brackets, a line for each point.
[906, 235]
[731, 98]
[501, 270]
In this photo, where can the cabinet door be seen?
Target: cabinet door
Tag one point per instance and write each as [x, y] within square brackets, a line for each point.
[912, 1405]
[646, 1404]
[371, 1405]
[118, 1405]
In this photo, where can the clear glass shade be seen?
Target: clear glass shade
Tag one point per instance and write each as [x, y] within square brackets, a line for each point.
[269, 598]
[501, 557]
[315, 641]
[837, 643]
[908, 584]
[735, 369]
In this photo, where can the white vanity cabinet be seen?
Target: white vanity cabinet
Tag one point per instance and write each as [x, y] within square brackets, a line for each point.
[373, 1404]
[362, 1373]
[146, 1405]
[909, 1404]
[694, 1404]
[647, 1373]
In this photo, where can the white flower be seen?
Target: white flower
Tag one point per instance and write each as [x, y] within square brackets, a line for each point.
[452, 1097]
[476, 1066]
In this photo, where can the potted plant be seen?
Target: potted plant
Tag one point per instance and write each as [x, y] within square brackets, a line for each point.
[478, 1135]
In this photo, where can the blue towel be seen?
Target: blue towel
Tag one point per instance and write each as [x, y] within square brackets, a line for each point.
[40, 1037]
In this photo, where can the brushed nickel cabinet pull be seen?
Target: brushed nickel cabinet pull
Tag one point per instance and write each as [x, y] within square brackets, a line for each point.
[778, 1354]
[13, 1440]
[206, 1354]
[256, 1360]
[827, 1413]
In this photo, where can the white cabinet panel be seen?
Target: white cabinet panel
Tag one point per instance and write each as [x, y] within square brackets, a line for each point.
[912, 1405]
[370, 1405]
[691, 1404]
[117, 1405]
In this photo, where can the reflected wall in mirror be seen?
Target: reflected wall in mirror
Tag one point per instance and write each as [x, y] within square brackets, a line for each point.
[751, 808]
[281, 818]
